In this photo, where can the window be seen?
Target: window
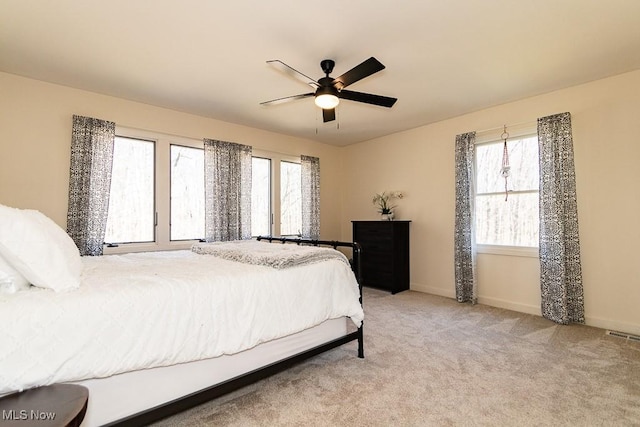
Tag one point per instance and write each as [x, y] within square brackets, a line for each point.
[157, 192]
[276, 192]
[290, 199]
[260, 196]
[131, 216]
[187, 193]
[514, 221]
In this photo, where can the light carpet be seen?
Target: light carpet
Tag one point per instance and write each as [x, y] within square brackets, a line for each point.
[430, 361]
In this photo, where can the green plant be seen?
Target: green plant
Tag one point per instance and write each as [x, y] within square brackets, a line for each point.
[383, 201]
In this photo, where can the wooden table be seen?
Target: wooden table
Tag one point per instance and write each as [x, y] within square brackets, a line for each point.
[58, 405]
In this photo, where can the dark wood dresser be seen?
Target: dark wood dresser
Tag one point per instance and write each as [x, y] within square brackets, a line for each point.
[385, 253]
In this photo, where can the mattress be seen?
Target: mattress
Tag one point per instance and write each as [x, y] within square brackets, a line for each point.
[146, 310]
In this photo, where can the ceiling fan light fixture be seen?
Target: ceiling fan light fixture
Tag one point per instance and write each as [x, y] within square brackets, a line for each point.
[327, 101]
[326, 98]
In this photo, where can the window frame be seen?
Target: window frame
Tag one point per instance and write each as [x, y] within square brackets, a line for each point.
[299, 164]
[276, 158]
[173, 144]
[162, 190]
[109, 244]
[270, 197]
[492, 137]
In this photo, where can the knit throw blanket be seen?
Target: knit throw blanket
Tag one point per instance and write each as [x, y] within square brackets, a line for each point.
[272, 255]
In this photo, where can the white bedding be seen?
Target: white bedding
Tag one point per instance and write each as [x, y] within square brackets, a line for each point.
[274, 256]
[145, 310]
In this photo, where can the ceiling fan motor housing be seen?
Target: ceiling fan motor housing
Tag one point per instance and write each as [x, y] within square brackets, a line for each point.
[327, 66]
[326, 90]
[326, 82]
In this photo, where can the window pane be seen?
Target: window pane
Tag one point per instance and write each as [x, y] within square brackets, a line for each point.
[131, 214]
[187, 193]
[290, 199]
[260, 197]
[513, 222]
[523, 159]
[488, 164]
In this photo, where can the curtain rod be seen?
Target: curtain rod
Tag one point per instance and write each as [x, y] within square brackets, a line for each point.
[528, 122]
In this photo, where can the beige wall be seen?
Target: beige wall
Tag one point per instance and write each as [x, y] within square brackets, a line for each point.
[35, 135]
[606, 126]
[35, 132]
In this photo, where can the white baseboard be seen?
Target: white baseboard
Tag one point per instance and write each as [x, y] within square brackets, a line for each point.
[614, 325]
[494, 302]
[433, 291]
[597, 322]
[510, 305]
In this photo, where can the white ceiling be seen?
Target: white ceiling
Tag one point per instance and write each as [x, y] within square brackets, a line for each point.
[444, 58]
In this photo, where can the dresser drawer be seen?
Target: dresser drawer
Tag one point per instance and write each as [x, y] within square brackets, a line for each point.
[377, 261]
[378, 248]
[369, 233]
[383, 281]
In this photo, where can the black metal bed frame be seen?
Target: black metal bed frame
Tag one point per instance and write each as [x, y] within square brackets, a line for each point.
[193, 399]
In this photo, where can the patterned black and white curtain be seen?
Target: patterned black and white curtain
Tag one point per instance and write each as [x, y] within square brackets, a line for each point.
[310, 196]
[92, 143]
[560, 267]
[464, 235]
[227, 168]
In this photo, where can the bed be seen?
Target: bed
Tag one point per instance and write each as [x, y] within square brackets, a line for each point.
[151, 334]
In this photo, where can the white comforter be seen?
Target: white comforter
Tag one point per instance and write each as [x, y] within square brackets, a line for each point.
[138, 311]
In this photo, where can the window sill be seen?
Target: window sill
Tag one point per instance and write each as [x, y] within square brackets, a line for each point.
[148, 247]
[521, 251]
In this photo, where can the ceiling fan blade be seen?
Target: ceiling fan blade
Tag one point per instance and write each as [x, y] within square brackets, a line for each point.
[293, 73]
[328, 115]
[359, 72]
[383, 101]
[287, 99]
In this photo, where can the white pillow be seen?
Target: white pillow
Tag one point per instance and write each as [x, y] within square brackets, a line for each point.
[11, 281]
[39, 249]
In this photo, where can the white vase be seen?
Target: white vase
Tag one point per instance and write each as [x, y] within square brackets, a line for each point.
[387, 216]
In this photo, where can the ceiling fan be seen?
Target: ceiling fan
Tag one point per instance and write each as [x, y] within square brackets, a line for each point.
[329, 91]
